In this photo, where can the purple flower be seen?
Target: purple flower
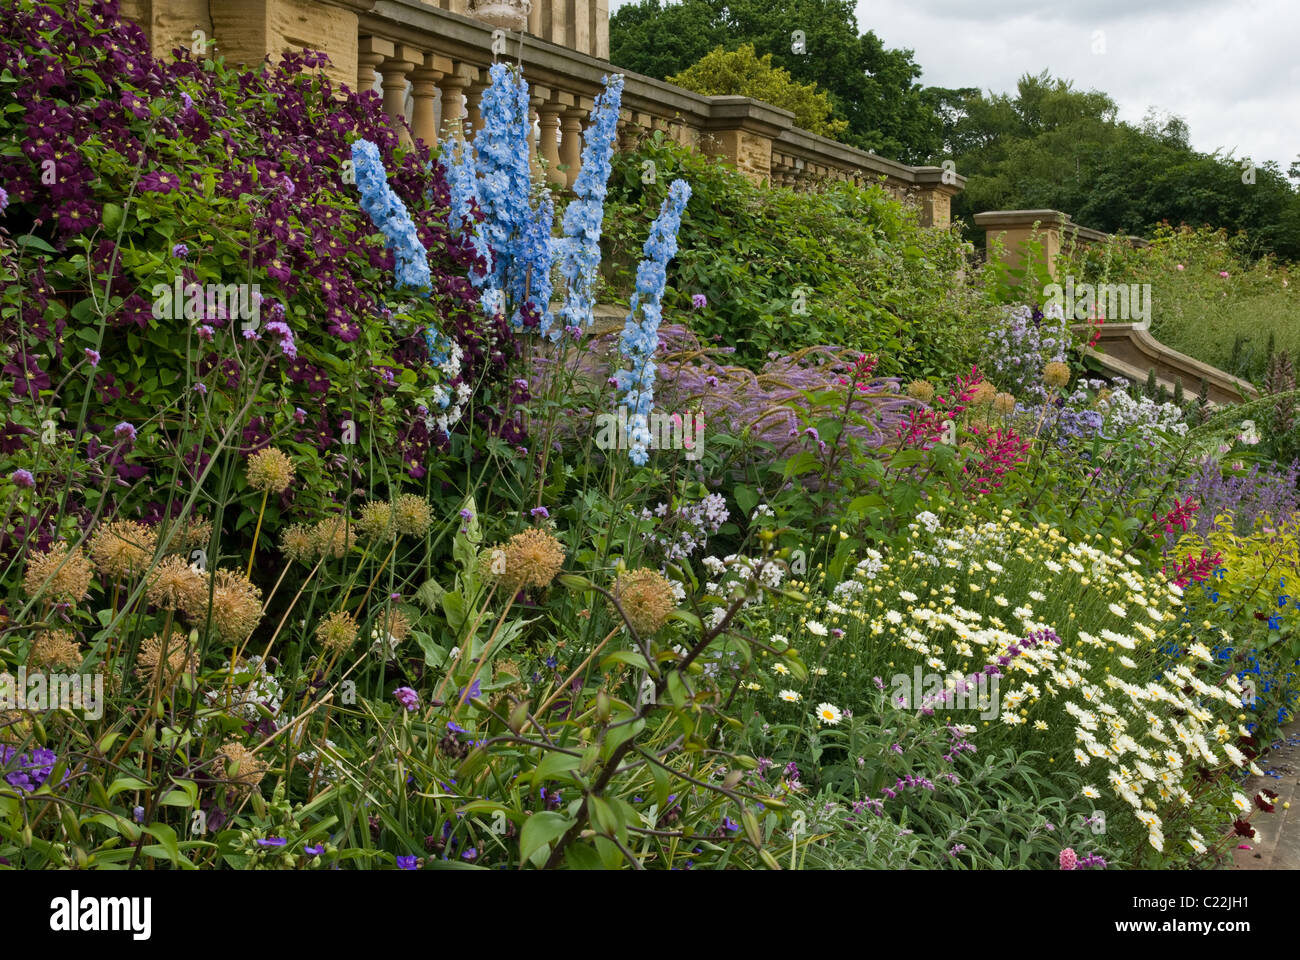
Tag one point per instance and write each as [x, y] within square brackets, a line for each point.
[159, 181]
[205, 331]
[540, 512]
[466, 514]
[180, 251]
[137, 814]
[730, 824]
[470, 854]
[455, 727]
[272, 842]
[472, 694]
[4, 199]
[124, 432]
[407, 698]
[92, 356]
[407, 863]
[699, 300]
[23, 478]
[201, 387]
[315, 851]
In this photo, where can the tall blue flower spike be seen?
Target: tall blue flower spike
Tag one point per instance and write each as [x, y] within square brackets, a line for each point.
[640, 340]
[389, 214]
[579, 245]
[512, 238]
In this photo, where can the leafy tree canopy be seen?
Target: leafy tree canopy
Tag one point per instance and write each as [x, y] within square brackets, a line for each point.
[873, 89]
[741, 72]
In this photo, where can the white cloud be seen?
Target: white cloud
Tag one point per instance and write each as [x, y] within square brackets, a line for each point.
[1228, 67]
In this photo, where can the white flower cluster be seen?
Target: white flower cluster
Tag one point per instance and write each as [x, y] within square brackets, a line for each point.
[1144, 417]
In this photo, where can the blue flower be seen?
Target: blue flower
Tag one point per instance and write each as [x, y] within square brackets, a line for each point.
[580, 242]
[640, 340]
[389, 214]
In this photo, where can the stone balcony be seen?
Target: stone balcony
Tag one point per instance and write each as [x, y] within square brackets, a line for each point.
[430, 63]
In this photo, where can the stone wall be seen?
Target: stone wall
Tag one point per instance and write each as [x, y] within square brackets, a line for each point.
[429, 58]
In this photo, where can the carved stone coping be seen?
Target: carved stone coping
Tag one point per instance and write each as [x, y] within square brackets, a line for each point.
[1131, 351]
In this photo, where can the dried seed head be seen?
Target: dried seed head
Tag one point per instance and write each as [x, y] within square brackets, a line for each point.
[412, 515]
[393, 623]
[922, 390]
[491, 563]
[334, 536]
[175, 585]
[236, 605]
[338, 631]
[270, 470]
[533, 558]
[1004, 404]
[984, 394]
[56, 648]
[376, 521]
[241, 765]
[298, 543]
[176, 659]
[69, 575]
[123, 547]
[646, 597]
[1056, 375]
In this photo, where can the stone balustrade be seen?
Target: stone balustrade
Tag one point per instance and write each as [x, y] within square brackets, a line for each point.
[429, 61]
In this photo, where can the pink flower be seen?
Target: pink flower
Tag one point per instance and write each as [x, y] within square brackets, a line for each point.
[1068, 859]
[1224, 274]
[1180, 267]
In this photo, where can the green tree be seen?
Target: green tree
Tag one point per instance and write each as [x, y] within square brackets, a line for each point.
[741, 72]
[874, 89]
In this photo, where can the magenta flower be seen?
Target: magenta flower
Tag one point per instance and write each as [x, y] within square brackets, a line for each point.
[159, 181]
[92, 356]
[407, 698]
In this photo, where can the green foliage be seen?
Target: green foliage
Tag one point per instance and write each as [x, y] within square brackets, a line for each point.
[873, 88]
[1052, 146]
[740, 72]
[854, 261]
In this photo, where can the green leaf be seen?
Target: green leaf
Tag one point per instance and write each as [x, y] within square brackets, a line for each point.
[556, 766]
[430, 594]
[127, 783]
[539, 831]
[112, 215]
[630, 657]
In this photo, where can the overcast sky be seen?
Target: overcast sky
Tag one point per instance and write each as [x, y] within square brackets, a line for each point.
[1228, 67]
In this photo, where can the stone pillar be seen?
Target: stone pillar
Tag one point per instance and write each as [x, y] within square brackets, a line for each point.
[571, 142]
[453, 88]
[1016, 227]
[549, 121]
[537, 98]
[474, 100]
[394, 70]
[424, 88]
[367, 62]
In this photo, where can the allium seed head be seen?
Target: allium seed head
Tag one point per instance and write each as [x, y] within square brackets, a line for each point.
[412, 515]
[270, 470]
[1056, 375]
[123, 547]
[69, 576]
[646, 597]
[533, 558]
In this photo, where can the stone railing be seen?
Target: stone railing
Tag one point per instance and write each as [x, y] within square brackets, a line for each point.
[1124, 349]
[431, 63]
